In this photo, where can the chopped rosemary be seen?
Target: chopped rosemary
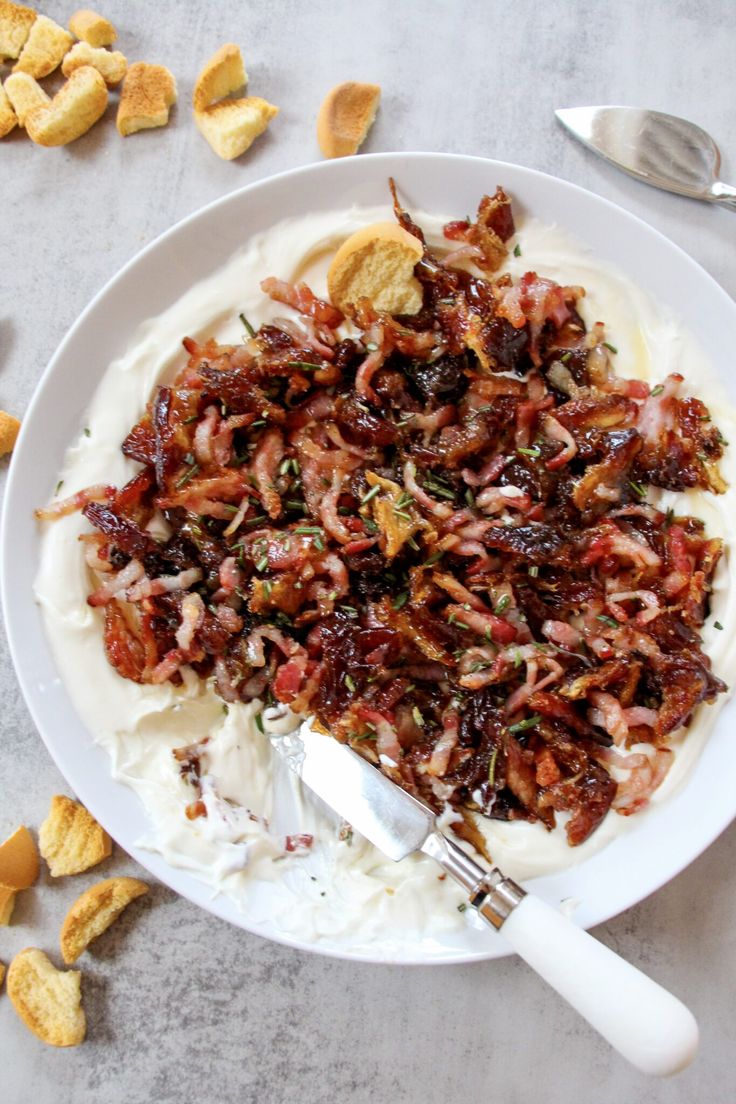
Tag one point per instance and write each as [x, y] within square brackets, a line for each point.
[452, 620]
[309, 530]
[611, 348]
[417, 715]
[59, 485]
[400, 600]
[184, 479]
[259, 721]
[492, 766]
[656, 390]
[462, 907]
[608, 621]
[319, 544]
[522, 726]
[371, 494]
[503, 603]
[565, 357]
[190, 419]
[433, 559]
[533, 571]
[517, 250]
[86, 431]
[637, 488]
[350, 683]
[246, 325]
[262, 563]
[470, 498]
[717, 625]
[535, 453]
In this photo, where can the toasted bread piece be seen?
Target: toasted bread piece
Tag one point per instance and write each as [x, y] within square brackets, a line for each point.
[9, 430]
[18, 860]
[110, 64]
[74, 109]
[15, 26]
[94, 912]
[92, 28]
[25, 94]
[46, 45]
[147, 94]
[231, 126]
[70, 839]
[346, 116]
[48, 1001]
[377, 263]
[8, 118]
[7, 904]
[222, 75]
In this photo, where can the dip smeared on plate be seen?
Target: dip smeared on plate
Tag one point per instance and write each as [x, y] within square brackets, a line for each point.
[433, 531]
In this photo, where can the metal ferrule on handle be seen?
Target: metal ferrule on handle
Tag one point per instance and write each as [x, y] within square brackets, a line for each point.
[490, 892]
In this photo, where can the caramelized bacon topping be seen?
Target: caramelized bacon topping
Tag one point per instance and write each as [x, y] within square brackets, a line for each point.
[456, 570]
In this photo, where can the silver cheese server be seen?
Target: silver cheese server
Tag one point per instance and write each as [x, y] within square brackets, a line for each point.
[645, 1023]
[662, 150]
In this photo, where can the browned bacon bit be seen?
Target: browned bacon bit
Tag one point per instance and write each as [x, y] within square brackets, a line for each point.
[456, 570]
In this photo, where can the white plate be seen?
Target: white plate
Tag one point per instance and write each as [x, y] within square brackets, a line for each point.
[627, 870]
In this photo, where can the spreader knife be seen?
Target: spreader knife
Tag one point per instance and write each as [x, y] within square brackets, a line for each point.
[662, 150]
[645, 1023]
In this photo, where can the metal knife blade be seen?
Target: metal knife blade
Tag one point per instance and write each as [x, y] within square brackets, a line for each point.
[659, 149]
[377, 808]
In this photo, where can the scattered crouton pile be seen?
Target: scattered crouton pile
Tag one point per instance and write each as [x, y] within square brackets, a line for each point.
[48, 1000]
[39, 46]
[230, 125]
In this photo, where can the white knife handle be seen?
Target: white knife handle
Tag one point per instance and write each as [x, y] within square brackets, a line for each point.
[645, 1023]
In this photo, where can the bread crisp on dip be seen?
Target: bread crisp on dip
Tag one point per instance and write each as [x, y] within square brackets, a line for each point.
[377, 263]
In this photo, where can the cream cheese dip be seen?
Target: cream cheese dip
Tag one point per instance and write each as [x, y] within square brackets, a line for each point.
[253, 801]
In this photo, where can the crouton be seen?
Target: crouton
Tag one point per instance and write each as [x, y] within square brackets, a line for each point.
[15, 26]
[18, 860]
[231, 126]
[147, 94]
[47, 1000]
[74, 109]
[9, 430]
[92, 28]
[223, 74]
[94, 912]
[24, 93]
[110, 64]
[70, 839]
[377, 263]
[345, 117]
[7, 904]
[46, 45]
[8, 118]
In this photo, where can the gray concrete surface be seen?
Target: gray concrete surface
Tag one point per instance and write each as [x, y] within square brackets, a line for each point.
[180, 1006]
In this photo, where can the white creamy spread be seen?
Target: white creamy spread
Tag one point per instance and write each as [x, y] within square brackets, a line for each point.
[253, 800]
